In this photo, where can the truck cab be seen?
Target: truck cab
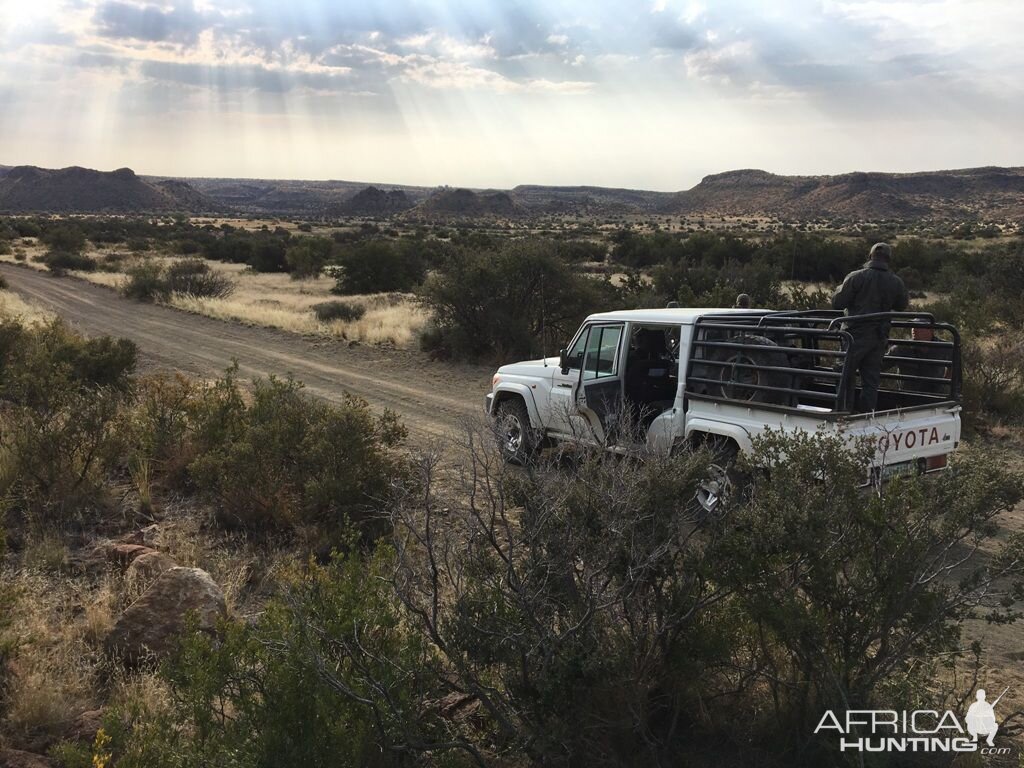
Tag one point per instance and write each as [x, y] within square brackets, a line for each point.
[672, 377]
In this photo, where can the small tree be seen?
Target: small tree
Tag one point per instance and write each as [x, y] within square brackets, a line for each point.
[376, 266]
[307, 256]
[499, 304]
[64, 237]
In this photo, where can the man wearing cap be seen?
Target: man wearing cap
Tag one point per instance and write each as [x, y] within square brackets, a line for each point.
[742, 301]
[864, 292]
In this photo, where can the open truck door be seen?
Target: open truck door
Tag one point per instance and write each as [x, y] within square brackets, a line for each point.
[598, 392]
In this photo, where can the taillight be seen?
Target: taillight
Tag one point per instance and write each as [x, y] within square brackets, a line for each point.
[935, 462]
[494, 380]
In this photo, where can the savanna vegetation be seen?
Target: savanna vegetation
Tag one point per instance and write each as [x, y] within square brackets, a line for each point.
[487, 295]
[436, 606]
[392, 604]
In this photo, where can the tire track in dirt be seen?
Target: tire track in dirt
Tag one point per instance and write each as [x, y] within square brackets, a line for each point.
[432, 398]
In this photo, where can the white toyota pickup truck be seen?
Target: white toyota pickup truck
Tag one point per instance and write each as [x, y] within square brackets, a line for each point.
[675, 377]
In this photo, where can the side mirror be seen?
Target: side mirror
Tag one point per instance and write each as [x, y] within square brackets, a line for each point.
[563, 361]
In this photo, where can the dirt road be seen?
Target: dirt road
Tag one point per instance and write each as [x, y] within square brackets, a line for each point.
[430, 397]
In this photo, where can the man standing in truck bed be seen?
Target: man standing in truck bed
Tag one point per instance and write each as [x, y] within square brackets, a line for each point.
[866, 291]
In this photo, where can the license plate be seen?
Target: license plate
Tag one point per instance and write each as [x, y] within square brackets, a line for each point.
[890, 471]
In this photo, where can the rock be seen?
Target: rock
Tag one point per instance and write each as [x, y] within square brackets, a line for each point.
[150, 625]
[124, 554]
[144, 569]
[135, 537]
[15, 758]
[117, 552]
[151, 535]
[84, 727]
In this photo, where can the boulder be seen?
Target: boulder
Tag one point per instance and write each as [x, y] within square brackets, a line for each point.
[147, 567]
[85, 726]
[123, 554]
[149, 626]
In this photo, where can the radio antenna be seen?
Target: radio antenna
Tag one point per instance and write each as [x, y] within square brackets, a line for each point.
[543, 324]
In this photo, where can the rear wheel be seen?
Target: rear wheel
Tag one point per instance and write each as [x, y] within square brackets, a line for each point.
[722, 478]
[516, 438]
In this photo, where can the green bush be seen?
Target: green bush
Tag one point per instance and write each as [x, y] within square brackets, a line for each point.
[499, 304]
[61, 261]
[63, 396]
[377, 266]
[234, 247]
[67, 238]
[5, 248]
[585, 626]
[268, 255]
[145, 282]
[193, 277]
[851, 591]
[138, 244]
[187, 247]
[149, 281]
[717, 286]
[112, 262]
[307, 256]
[26, 227]
[346, 311]
[993, 377]
[284, 459]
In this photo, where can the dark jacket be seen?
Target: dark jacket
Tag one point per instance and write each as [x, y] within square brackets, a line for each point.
[871, 289]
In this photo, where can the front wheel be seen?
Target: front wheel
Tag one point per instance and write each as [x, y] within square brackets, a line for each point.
[516, 437]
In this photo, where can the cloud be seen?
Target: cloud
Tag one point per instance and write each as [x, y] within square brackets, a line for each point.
[179, 24]
[715, 67]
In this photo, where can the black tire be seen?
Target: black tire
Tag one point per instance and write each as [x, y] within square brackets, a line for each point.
[762, 352]
[723, 478]
[516, 438]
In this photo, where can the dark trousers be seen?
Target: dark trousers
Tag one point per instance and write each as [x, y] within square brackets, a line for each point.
[865, 357]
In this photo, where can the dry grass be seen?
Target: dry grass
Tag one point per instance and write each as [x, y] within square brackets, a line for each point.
[277, 301]
[60, 621]
[109, 279]
[56, 668]
[13, 306]
[384, 322]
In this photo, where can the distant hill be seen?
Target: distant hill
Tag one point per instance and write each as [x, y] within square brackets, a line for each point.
[466, 202]
[588, 200]
[292, 196]
[26, 188]
[372, 201]
[993, 193]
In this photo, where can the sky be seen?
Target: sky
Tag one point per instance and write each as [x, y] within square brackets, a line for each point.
[651, 94]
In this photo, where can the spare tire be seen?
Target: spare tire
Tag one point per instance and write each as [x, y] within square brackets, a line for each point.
[761, 352]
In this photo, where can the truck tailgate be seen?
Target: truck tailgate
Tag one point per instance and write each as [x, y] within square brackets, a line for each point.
[903, 436]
